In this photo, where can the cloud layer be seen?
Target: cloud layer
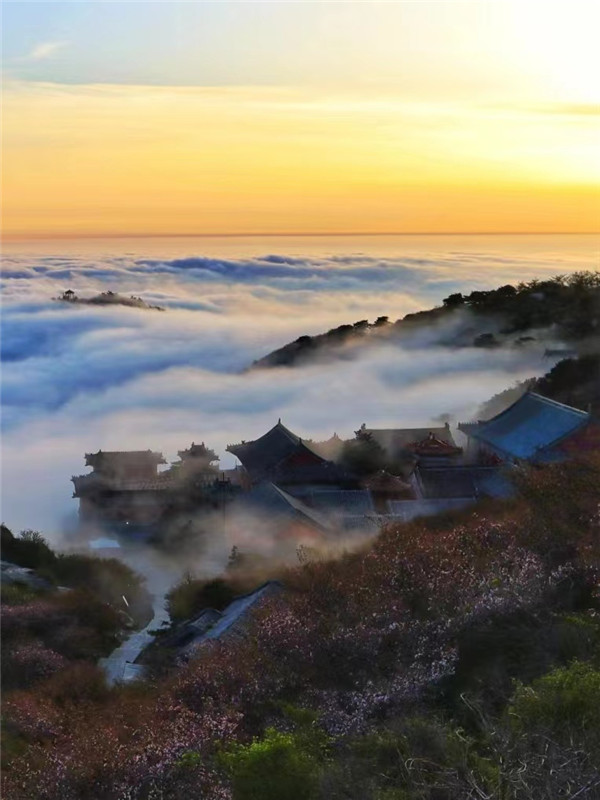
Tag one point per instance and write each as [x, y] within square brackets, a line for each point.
[79, 378]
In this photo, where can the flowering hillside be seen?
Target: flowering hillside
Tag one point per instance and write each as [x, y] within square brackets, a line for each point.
[456, 657]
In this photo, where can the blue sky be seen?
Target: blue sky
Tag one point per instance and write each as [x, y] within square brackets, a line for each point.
[207, 43]
[249, 43]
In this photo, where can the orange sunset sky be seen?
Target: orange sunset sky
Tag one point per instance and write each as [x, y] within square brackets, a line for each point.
[198, 118]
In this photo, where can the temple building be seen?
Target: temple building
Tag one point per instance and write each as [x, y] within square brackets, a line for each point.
[385, 488]
[123, 488]
[284, 458]
[126, 492]
[434, 450]
[534, 428]
[317, 492]
[407, 447]
[269, 512]
[197, 464]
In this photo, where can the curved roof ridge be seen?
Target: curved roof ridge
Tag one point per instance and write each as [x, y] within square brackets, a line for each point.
[548, 400]
[300, 506]
[557, 403]
[531, 424]
[290, 434]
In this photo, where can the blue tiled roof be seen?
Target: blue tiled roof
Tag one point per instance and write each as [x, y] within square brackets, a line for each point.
[529, 426]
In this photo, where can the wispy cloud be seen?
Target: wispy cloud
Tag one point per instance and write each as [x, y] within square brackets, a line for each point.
[45, 50]
[79, 378]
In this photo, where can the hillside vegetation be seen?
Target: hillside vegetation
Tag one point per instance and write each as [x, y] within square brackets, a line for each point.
[453, 658]
[566, 308]
[574, 381]
[55, 627]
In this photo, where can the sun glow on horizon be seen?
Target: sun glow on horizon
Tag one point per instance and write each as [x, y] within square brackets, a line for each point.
[476, 119]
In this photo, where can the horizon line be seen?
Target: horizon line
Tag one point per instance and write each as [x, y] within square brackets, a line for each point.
[286, 234]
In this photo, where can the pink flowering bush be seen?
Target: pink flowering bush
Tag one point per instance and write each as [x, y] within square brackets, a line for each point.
[426, 617]
[28, 661]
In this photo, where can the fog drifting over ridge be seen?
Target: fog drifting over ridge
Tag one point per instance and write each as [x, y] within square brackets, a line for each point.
[79, 378]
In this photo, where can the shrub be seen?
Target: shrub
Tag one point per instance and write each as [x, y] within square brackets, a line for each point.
[89, 628]
[564, 703]
[578, 637]
[29, 549]
[562, 502]
[28, 661]
[274, 767]
[107, 578]
[192, 595]
[14, 594]
[366, 640]
[420, 758]
[522, 646]
[77, 683]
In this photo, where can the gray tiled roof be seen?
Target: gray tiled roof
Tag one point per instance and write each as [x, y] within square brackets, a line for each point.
[94, 480]
[212, 625]
[462, 481]
[267, 498]
[125, 456]
[405, 510]
[327, 472]
[262, 455]
[394, 439]
[343, 502]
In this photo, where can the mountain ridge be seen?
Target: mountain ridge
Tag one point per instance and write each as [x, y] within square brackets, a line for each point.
[564, 310]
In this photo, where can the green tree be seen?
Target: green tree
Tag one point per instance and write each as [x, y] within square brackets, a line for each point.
[454, 300]
[564, 703]
[275, 767]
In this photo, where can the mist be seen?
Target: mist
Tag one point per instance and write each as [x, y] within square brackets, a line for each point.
[78, 379]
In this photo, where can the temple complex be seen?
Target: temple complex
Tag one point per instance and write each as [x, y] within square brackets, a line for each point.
[295, 488]
[125, 490]
[401, 442]
[283, 457]
[124, 487]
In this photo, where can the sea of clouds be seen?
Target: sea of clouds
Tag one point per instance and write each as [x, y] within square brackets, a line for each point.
[78, 378]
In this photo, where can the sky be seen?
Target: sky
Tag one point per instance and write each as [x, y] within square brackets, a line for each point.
[138, 118]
